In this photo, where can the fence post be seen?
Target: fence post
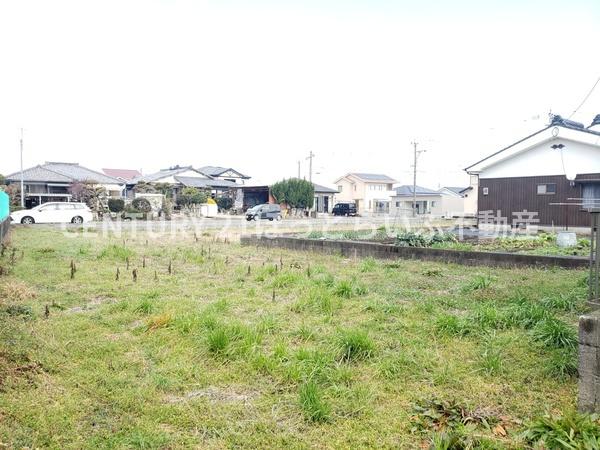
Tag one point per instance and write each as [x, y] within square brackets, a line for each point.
[589, 363]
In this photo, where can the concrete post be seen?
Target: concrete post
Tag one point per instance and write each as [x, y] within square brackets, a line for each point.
[589, 362]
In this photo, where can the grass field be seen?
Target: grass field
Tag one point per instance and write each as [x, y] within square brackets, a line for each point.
[249, 347]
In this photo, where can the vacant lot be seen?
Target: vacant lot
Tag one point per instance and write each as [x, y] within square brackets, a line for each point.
[215, 345]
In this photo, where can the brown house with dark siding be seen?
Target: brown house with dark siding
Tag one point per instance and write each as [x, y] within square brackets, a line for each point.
[549, 178]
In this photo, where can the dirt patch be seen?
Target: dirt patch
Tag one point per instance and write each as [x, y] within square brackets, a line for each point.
[93, 304]
[16, 291]
[215, 394]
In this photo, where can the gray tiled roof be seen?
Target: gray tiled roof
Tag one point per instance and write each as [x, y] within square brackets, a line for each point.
[56, 172]
[164, 173]
[373, 177]
[205, 182]
[324, 189]
[215, 171]
[456, 190]
[407, 190]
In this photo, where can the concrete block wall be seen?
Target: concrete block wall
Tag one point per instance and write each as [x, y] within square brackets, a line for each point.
[387, 251]
[589, 363]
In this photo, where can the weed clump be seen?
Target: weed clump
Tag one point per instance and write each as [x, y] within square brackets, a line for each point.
[313, 405]
[355, 345]
[554, 333]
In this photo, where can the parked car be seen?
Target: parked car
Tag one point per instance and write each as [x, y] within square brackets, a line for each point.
[344, 209]
[265, 211]
[54, 212]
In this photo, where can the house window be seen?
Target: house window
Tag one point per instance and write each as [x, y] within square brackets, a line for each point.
[397, 204]
[546, 189]
[433, 204]
[591, 195]
[340, 187]
[486, 191]
[354, 187]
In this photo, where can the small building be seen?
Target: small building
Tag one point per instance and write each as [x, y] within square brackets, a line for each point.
[51, 182]
[324, 198]
[371, 192]
[446, 202]
[541, 179]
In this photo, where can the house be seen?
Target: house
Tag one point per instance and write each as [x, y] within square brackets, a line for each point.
[50, 182]
[122, 174]
[445, 202]
[548, 178]
[323, 198]
[224, 173]
[179, 177]
[371, 192]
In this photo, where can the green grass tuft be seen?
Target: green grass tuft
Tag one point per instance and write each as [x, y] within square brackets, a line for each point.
[313, 406]
[554, 333]
[354, 345]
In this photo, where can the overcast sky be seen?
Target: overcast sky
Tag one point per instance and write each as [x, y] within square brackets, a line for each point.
[256, 85]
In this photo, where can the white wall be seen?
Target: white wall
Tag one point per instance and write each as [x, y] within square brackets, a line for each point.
[542, 160]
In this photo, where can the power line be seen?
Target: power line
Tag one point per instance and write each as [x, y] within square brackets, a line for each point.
[585, 98]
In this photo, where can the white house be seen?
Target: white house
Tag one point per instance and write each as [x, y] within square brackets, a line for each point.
[446, 202]
[552, 174]
[371, 192]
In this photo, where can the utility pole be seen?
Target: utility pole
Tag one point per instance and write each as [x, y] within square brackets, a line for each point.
[311, 155]
[298, 169]
[22, 183]
[416, 156]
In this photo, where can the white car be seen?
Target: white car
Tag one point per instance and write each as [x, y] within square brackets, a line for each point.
[54, 212]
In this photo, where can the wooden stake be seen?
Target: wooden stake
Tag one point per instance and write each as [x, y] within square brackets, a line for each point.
[144, 262]
[170, 267]
[12, 255]
[72, 272]
[134, 273]
[46, 312]
[155, 276]
[308, 271]
[248, 269]
[273, 294]
[281, 262]
[127, 263]
[117, 275]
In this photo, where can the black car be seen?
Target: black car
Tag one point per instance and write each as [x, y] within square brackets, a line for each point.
[344, 209]
[264, 211]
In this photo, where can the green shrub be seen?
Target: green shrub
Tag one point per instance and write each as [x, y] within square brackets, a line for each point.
[116, 205]
[225, 203]
[141, 204]
[355, 345]
[413, 239]
[313, 406]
